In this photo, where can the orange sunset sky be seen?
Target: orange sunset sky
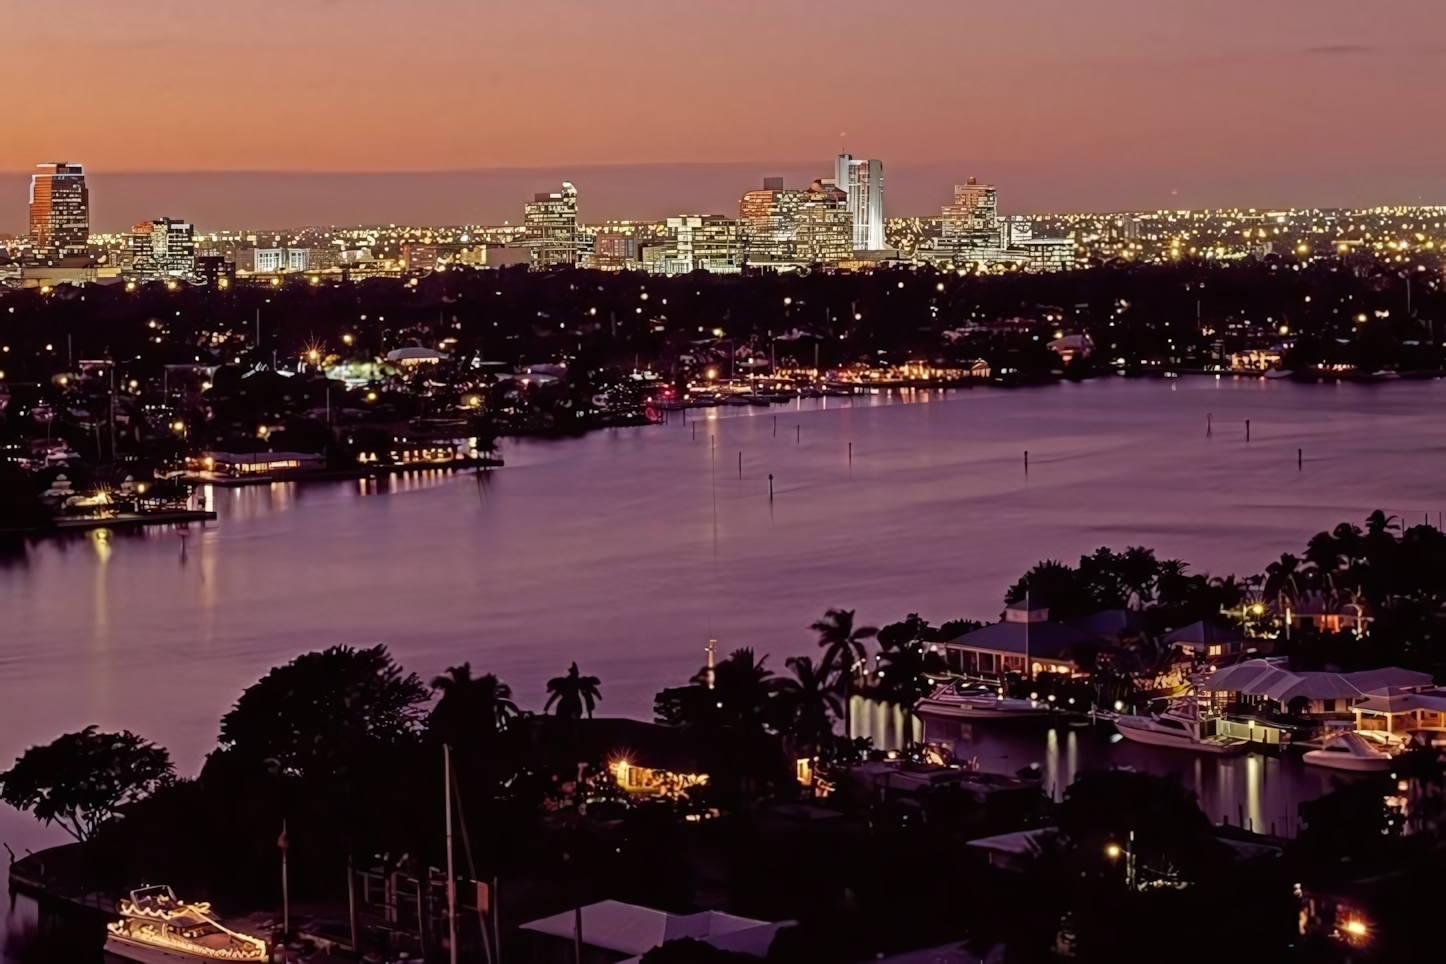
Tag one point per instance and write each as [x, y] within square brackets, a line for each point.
[1063, 103]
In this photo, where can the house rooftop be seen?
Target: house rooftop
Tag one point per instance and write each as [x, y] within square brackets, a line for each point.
[1270, 678]
[1043, 639]
[631, 929]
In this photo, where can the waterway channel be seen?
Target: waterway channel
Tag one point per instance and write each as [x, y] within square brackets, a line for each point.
[628, 549]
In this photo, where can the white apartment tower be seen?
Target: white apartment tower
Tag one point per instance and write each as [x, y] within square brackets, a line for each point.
[863, 182]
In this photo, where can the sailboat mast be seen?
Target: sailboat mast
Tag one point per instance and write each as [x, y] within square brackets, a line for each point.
[451, 875]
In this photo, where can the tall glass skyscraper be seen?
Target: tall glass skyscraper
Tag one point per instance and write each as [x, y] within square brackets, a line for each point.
[863, 182]
[59, 211]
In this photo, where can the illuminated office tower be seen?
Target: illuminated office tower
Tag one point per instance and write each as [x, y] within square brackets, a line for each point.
[799, 227]
[164, 247]
[696, 243]
[974, 215]
[59, 211]
[551, 222]
[863, 182]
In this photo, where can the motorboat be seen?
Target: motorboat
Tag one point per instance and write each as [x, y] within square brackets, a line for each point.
[1347, 751]
[156, 927]
[1182, 726]
[949, 702]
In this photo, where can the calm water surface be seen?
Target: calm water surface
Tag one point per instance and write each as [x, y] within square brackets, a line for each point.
[627, 550]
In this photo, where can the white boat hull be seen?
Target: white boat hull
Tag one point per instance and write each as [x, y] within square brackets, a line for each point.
[979, 710]
[151, 954]
[1151, 737]
[1345, 761]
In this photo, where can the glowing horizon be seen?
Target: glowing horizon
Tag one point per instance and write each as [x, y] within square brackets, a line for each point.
[1120, 102]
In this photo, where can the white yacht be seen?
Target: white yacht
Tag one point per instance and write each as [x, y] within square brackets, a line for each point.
[948, 702]
[1347, 751]
[1182, 726]
[158, 928]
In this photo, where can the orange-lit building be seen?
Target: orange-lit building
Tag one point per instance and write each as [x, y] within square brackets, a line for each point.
[59, 211]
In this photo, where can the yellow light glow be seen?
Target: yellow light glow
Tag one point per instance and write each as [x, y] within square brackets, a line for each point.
[1112, 851]
[1356, 928]
[1257, 609]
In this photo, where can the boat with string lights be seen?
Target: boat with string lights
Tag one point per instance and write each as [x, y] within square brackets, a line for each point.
[156, 927]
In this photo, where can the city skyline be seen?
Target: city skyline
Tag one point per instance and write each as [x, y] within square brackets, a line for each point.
[220, 200]
[1120, 106]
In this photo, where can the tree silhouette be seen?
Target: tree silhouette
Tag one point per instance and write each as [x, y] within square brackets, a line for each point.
[472, 709]
[572, 692]
[324, 714]
[81, 780]
[808, 706]
[843, 644]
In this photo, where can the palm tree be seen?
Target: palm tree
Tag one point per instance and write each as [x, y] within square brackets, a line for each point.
[571, 693]
[470, 707]
[808, 705]
[843, 644]
[743, 689]
[903, 675]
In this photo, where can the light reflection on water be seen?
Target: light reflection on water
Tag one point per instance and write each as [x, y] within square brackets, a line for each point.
[628, 549]
[1255, 790]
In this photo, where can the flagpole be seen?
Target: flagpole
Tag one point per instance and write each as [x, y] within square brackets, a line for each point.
[285, 845]
[451, 875]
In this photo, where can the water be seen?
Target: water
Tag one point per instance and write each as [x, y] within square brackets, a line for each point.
[627, 550]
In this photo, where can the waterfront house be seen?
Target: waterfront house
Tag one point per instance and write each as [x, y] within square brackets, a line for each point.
[643, 759]
[1208, 640]
[1327, 612]
[612, 931]
[1268, 686]
[1396, 711]
[213, 466]
[1024, 641]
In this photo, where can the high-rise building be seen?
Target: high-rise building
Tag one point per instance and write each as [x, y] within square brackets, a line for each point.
[863, 182]
[696, 243]
[974, 215]
[163, 247]
[972, 232]
[59, 211]
[798, 227]
[551, 222]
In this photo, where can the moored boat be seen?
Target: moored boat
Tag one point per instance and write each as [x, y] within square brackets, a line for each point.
[948, 702]
[158, 928]
[1347, 751]
[1181, 726]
